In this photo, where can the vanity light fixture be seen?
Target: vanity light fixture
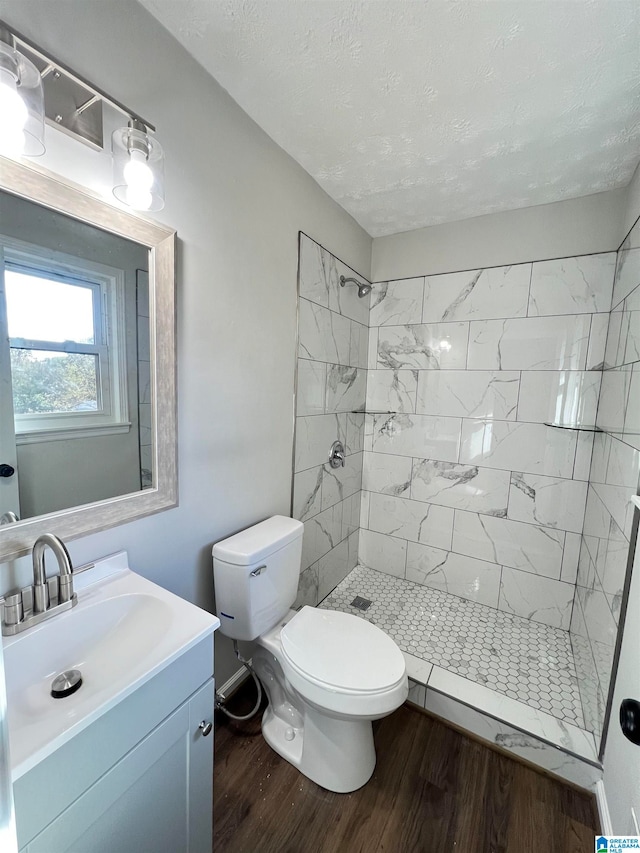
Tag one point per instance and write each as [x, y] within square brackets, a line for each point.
[21, 101]
[138, 167]
[35, 87]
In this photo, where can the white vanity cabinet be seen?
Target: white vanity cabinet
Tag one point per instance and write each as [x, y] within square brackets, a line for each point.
[139, 779]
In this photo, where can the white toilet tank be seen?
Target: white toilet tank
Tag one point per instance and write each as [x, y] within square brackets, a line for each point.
[255, 574]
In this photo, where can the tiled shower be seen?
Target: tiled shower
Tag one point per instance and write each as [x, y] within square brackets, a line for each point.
[330, 400]
[465, 492]
[604, 562]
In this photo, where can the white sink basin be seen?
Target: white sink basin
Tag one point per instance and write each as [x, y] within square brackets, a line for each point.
[122, 632]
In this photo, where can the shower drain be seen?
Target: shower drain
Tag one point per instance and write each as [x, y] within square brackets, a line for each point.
[361, 603]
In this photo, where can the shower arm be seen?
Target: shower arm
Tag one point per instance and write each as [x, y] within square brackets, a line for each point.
[363, 289]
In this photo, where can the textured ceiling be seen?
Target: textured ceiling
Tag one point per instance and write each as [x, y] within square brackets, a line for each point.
[416, 112]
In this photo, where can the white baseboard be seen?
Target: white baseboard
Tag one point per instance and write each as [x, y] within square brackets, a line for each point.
[232, 684]
[603, 808]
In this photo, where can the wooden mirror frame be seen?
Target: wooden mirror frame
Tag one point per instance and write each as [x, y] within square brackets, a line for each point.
[51, 191]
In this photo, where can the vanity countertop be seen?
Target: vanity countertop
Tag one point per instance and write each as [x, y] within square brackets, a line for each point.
[123, 631]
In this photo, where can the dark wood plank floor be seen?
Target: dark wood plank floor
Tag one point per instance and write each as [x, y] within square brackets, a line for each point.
[433, 789]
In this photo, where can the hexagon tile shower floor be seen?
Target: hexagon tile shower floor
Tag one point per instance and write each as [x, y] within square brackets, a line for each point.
[527, 661]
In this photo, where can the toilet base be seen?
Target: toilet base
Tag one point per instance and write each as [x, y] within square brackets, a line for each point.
[336, 754]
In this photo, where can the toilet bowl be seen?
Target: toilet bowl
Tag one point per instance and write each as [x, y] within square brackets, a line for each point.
[327, 674]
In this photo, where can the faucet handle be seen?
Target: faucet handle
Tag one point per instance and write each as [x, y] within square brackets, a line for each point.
[65, 587]
[27, 600]
[13, 612]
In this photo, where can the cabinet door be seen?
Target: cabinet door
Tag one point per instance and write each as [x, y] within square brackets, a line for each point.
[146, 802]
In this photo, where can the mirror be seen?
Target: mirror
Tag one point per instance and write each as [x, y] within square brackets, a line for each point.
[74, 329]
[87, 362]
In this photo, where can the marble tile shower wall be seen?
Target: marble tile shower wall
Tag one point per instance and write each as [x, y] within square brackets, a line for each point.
[615, 470]
[330, 399]
[464, 487]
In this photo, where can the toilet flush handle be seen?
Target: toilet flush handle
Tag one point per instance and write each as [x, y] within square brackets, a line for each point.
[258, 571]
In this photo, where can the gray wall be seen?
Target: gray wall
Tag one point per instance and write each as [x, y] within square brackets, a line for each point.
[575, 227]
[237, 201]
[632, 210]
[621, 759]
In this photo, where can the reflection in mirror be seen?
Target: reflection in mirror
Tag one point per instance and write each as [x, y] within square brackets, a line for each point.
[117, 271]
[75, 402]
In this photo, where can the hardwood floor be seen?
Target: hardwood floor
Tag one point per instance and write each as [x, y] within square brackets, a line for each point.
[434, 789]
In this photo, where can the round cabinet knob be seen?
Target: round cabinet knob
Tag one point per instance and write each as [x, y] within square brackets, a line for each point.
[6, 470]
[205, 728]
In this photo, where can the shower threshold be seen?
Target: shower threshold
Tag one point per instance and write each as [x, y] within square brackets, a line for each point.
[501, 676]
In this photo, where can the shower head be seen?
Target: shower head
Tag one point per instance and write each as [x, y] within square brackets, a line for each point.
[363, 289]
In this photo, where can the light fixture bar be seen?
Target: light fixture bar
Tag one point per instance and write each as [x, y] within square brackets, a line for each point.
[92, 100]
[72, 104]
[49, 67]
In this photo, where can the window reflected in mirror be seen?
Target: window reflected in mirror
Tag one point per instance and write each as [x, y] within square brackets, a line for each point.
[75, 362]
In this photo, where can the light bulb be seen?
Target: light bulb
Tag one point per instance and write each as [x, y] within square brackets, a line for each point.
[138, 198]
[12, 142]
[137, 174]
[138, 177]
[14, 115]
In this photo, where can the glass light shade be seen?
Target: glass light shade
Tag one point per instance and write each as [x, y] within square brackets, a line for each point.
[21, 105]
[138, 169]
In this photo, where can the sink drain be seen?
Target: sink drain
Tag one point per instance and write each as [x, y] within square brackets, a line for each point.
[66, 683]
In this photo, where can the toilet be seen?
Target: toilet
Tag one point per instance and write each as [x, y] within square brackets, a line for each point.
[327, 674]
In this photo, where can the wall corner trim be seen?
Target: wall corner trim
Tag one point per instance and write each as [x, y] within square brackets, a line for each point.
[603, 808]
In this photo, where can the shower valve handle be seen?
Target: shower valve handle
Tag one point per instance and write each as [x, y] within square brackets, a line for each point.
[337, 455]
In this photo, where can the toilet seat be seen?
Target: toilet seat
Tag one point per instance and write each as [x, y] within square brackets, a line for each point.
[341, 661]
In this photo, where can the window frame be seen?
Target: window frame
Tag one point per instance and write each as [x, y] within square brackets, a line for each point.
[112, 417]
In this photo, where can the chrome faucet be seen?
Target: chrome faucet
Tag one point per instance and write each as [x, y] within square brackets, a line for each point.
[65, 579]
[25, 607]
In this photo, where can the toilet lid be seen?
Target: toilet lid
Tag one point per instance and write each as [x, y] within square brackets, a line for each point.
[342, 651]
